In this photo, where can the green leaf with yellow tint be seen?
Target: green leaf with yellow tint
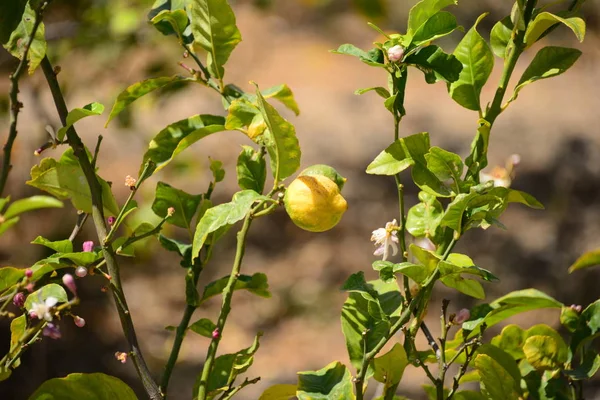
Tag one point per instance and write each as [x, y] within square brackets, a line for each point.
[332, 382]
[78, 386]
[587, 260]
[496, 382]
[543, 21]
[79, 113]
[279, 392]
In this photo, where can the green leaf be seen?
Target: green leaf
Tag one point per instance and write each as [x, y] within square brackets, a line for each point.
[511, 304]
[383, 92]
[588, 367]
[20, 36]
[516, 196]
[503, 358]
[177, 21]
[332, 382]
[18, 327]
[496, 382]
[180, 135]
[222, 215]
[65, 179]
[280, 141]
[400, 155]
[500, 36]
[374, 57]
[389, 367]
[282, 93]
[218, 172]
[436, 64]
[548, 62]
[543, 21]
[455, 212]
[251, 170]
[279, 392]
[371, 8]
[84, 386]
[4, 226]
[137, 90]
[477, 60]
[511, 341]
[424, 218]
[438, 25]
[31, 203]
[40, 295]
[589, 259]
[79, 113]
[469, 287]
[81, 258]
[256, 284]
[185, 205]
[423, 11]
[9, 276]
[60, 246]
[444, 164]
[545, 352]
[204, 327]
[477, 159]
[11, 13]
[214, 29]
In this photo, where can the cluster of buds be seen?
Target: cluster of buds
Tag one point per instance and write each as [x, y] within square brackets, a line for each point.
[130, 182]
[121, 356]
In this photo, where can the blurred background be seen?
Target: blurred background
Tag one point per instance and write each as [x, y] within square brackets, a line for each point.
[105, 45]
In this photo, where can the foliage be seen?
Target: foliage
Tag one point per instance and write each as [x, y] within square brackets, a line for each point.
[455, 196]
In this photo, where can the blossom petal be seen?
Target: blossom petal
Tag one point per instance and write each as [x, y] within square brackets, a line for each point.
[51, 301]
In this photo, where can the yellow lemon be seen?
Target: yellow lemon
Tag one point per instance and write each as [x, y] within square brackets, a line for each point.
[314, 203]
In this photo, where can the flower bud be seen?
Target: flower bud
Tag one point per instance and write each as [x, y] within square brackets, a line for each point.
[81, 271]
[216, 334]
[69, 282]
[396, 53]
[462, 316]
[130, 181]
[111, 220]
[170, 211]
[19, 299]
[576, 308]
[28, 273]
[88, 246]
[79, 322]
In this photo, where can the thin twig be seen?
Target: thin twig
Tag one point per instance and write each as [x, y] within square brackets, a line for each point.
[81, 219]
[15, 105]
[98, 216]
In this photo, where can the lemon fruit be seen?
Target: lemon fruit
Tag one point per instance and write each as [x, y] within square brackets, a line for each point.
[314, 203]
[325, 170]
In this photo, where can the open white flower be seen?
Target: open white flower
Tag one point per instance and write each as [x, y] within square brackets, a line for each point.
[385, 238]
[42, 310]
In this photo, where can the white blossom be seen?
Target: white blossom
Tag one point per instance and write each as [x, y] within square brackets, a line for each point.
[42, 310]
[385, 238]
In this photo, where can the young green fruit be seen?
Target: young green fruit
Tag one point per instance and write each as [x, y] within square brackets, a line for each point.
[325, 170]
[314, 203]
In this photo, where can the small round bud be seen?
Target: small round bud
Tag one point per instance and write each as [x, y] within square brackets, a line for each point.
[88, 246]
[515, 160]
[170, 211]
[462, 316]
[111, 221]
[79, 322]
[576, 308]
[216, 334]
[396, 53]
[81, 272]
[69, 283]
[30, 286]
[19, 299]
[33, 315]
[28, 273]
[38, 152]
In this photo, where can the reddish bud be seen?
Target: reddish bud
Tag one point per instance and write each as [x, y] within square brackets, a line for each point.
[88, 246]
[111, 221]
[119, 355]
[69, 283]
[30, 287]
[28, 273]
[396, 53]
[81, 271]
[462, 316]
[216, 334]
[79, 322]
[19, 299]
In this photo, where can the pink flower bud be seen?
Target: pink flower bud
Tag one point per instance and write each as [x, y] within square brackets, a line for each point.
[396, 53]
[216, 334]
[69, 282]
[81, 271]
[576, 308]
[33, 315]
[88, 246]
[79, 322]
[111, 221]
[19, 299]
[28, 273]
[462, 316]
[30, 287]
[170, 211]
